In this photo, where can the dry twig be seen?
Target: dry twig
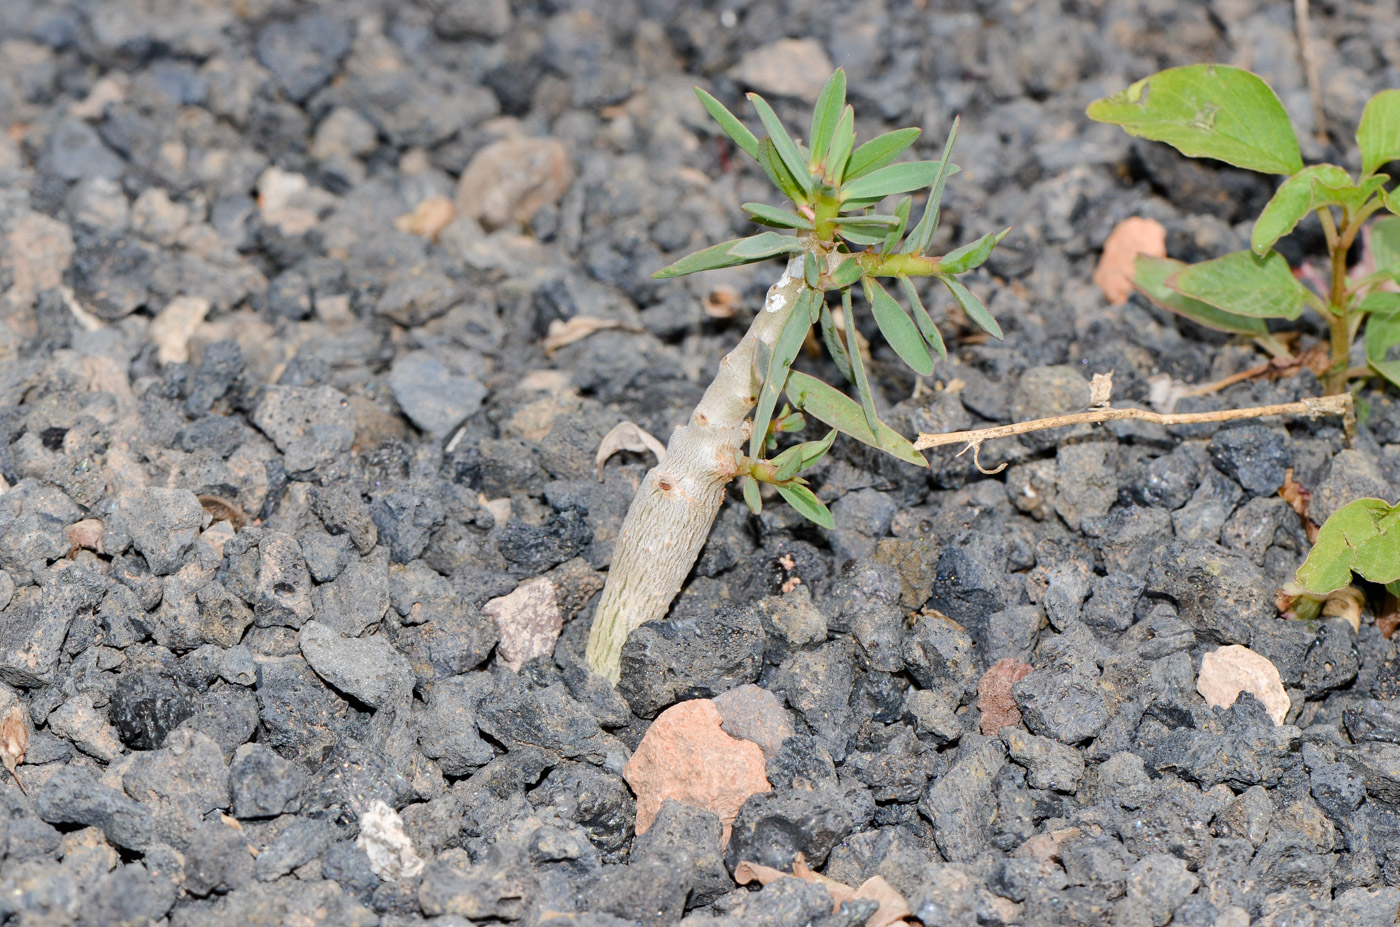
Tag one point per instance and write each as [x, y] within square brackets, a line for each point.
[1323, 405]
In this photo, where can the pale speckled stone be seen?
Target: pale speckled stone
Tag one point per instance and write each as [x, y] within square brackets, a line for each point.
[529, 620]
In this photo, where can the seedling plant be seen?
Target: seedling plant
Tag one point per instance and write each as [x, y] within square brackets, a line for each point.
[1231, 115]
[836, 240]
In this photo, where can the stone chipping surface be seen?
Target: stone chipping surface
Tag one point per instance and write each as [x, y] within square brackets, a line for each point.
[281, 437]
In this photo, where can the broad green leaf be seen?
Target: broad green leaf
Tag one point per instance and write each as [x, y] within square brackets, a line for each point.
[846, 273]
[1380, 302]
[879, 151]
[771, 215]
[731, 254]
[900, 333]
[753, 497]
[835, 408]
[1312, 187]
[972, 255]
[1361, 536]
[807, 505]
[727, 121]
[1150, 275]
[922, 319]
[805, 455]
[922, 236]
[839, 151]
[897, 178]
[1244, 283]
[825, 115]
[972, 306]
[1378, 135]
[902, 213]
[1385, 243]
[832, 339]
[785, 348]
[765, 244]
[867, 398]
[787, 149]
[777, 171]
[1383, 345]
[1208, 111]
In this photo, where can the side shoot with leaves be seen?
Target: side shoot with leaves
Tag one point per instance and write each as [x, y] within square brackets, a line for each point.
[837, 242]
[1231, 115]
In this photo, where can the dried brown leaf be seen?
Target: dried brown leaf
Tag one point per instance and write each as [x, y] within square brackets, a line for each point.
[563, 333]
[1131, 237]
[1388, 619]
[627, 436]
[721, 302]
[894, 908]
[14, 740]
[1299, 499]
[747, 872]
[1347, 603]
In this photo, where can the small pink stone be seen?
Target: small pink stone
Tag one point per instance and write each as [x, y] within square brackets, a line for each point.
[686, 755]
[994, 697]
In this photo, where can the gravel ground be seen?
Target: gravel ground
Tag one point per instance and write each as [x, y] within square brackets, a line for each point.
[298, 494]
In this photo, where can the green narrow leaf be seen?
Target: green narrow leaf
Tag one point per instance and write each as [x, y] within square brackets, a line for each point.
[771, 215]
[1150, 276]
[874, 220]
[753, 498]
[861, 236]
[839, 150]
[731, 254]
[867, 399]
[777, 171]
[804, 455]
[845, 273]
[922, 319]
[731, 125]
[785, 348]
[765, 244]
[807, 505]
[787, 149]
[1311, 188]
[879, 151]
[1244, 283]
[826, 114]
[832, 339]
[1378, 135]
[972, 306]
[899, 332]
[1208, 111]
[897, 178]
[922, 236]
[834, 408]
[811, 270]
[901, 212]
[972, 255]
[1383, 345]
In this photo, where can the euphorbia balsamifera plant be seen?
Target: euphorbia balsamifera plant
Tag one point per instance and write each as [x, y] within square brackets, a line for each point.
[836, 241]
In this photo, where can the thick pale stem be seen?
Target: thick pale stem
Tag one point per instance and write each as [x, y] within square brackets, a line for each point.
[676, 504]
